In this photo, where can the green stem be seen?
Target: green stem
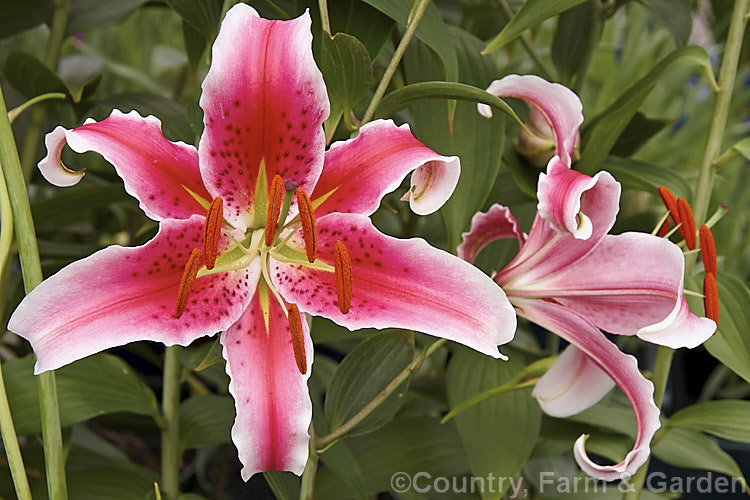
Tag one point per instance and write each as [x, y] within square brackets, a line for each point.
[548, 72]
[170, 435]
[325, 21]
[307, 485]
[415, 16]
[13, 113]
[28, 253]
[54, 44]
[727, 77]
[324, 442]
[7, 429]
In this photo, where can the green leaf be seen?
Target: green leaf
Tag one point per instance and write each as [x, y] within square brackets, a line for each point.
[409, 445]
[676, 16]
[202, 15]
[175, 125]
[127, 482]
[577, 30]
[646, 176]
[213, 356]
[601, 134]
[415, 92]
[206, 420]
[731, 344]
[31, 77]
[727, 419]
[67, 205]
[431, 31]
[347, 70]
[87, 388]
[285, 485]
[363, 374]
[466, 134]
[20, 16]
[369, 25]
[195, 44]
[531, 13]
[498, 434]
[88, 14]
[743, 148]
[694, 450]
[639, 130]
[343, 463]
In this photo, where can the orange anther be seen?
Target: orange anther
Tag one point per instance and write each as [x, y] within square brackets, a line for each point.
[711, 297]
[670, 202]
[708, 249]
[687, 230]
[212, 231]
[343, 268]
[664, 229]
[298, 338]
[186, 283]
[309, 231]
[275, 200]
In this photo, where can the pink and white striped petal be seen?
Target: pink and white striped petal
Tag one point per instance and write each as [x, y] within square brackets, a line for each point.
[360, 171]
[120, 295]
[497, 223]
[561, 107]
[273, 404]
[264, 102]
[159, 173]
[569, 199]
[400, 284]
[573, 384]
[620, 367]
[627, 284]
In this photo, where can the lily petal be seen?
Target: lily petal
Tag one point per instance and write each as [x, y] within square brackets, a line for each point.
[51, 166]
[273, 404]
[548, 250]
[119, 295]
[620, 367]
[360, 171]
[629, 283]
[573, 384]
[497, 223]
[264, 102]
[400, 284]
[159, 173]
[569, 199]
[561, 107]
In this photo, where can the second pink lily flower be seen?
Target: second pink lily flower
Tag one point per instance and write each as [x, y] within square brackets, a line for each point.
[573, 278]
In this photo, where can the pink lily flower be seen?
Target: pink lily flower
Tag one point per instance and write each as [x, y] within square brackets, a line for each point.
[627, 284]
[222, 262]
[562, 191]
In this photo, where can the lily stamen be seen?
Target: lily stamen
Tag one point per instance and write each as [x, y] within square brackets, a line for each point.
[298, 338]
[711, 297]
[309, 231]
[664, 229]
[708, 249]
[212, 231]
[343, 269]
[669, 200]
[187, 280]
[275, 200]
[688, 223]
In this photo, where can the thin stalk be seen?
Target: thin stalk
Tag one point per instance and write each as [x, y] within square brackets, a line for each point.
[170, 434]
[727, 76]
[548, 72]
[28, 253]
[54, 44]
[7, 429]
[324, 442]
[307, 485]
[415, 16]
[325, 21]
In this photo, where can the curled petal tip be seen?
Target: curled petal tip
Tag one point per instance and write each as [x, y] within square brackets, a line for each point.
[52, 167]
